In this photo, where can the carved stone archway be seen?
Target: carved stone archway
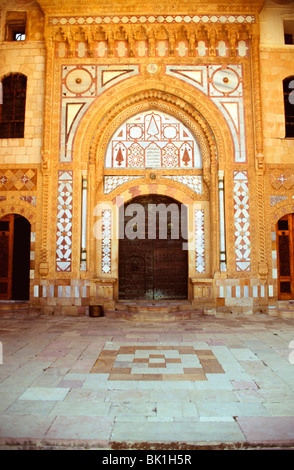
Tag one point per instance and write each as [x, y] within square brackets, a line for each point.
[102, 119]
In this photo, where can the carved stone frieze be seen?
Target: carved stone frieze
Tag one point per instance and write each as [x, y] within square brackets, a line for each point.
[212, 39]
[133, 7]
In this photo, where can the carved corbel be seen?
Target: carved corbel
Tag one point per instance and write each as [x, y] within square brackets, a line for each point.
[171, 43]
[151, 42]
[71, 43]
[201, 33]
[110, 41]
[232, 36]
[192, 43]
[182, 33]
[140, 33]
[90, 41]
[131, 42]
[59, 35]
[212, 42]
[120, 33]
[99, 33]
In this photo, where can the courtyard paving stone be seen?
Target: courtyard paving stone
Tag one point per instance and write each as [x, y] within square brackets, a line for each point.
[82, 382]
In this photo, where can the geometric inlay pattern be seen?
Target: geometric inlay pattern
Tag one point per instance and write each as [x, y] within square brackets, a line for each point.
[224, 86]
[106, 241]
[279, 180]
[276, 199]
[199, 241]
[64, 221]
[30, 199]
[153, 140]
[242, 221]
[142, 19]
[18, 180]
[80, 87]
[112, 182]
[139, 362]
[193, 182]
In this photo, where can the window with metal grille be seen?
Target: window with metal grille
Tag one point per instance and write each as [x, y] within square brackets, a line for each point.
[288, 86]
[12, 109]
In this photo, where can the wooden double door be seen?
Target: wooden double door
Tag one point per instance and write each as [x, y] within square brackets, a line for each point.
[153, 264]
[14, 257]
[285, 257]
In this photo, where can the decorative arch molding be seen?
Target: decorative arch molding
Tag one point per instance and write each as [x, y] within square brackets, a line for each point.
[173, 97]
[280, 212]
[155, 189]
[20, 208]
[169, 183]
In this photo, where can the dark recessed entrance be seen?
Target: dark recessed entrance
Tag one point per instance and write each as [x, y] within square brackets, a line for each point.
[14, 257]
[285, 257]
[153, 259]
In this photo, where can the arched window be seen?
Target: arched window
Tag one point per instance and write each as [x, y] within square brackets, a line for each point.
[12, 106]
[288, 85]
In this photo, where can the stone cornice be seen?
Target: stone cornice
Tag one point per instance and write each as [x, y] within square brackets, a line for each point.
[152, 7]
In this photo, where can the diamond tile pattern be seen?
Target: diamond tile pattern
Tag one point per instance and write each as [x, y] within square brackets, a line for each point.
[242, 221]
[64, 221]
[18, 180]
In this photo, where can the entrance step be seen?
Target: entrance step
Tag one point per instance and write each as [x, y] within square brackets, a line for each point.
[153, 311]
[9, 308]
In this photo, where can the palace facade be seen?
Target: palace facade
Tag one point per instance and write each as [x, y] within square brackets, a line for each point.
[113, 112]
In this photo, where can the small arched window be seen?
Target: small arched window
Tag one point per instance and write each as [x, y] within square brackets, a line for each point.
[288, 86]
[12, 106]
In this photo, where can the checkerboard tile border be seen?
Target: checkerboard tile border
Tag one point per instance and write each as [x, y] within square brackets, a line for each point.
[106, 363]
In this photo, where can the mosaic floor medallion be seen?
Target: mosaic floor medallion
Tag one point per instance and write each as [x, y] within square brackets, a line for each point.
[156, 363]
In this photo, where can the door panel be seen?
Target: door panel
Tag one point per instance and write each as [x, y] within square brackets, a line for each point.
[285, 257]
[6, 256]
[155, 268]
[14, 257]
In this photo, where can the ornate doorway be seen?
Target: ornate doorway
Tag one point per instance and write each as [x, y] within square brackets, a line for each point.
[14, 257]
[285, 255]
[153, 261]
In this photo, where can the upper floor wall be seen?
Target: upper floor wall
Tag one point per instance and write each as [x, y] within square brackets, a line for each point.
[276, 64]
[22, 51]
[276, 22]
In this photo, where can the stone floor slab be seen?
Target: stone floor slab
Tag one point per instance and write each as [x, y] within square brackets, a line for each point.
[80, 427]
[177, 431]
[52, 392]
[45, 393]
[267, 429]
[24, 425]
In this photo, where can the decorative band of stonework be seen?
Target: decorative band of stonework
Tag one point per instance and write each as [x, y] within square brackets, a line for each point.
[106, 241]
[72, 290]
[64, 221]
[18, 179]
[113, 182]
[242, 221]
[151, 19]
[199, 241]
